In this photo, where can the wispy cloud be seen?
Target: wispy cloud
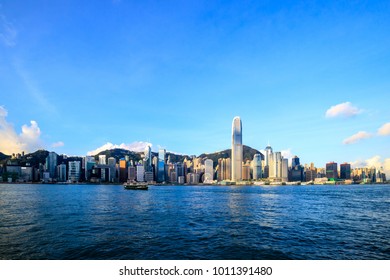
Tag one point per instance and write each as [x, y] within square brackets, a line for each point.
[8, 32]
[12, 142]
[57, 144]
[357, 137]
[32, 88]
[384, 130]
[345, 109]
[135, 147]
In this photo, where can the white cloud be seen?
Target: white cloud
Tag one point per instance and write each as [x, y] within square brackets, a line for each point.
[58, 144]
[8, 32]
[345, 109]
[12, 142]
[357, 137]
[384, 129]
[135, 147]
[287, 153]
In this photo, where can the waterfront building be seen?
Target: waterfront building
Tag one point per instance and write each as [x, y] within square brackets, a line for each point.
[51, 164]
[266, 171]
[173, 177]
[345, 171]
[26, 173]
[267, 160]
[149, 176]
[148, 159]
[89, 163]
[310, 173]
[131, 173]
[246, 171]
[275, 165]
[112, 165]
[61, 171]
[180, 180]
[74, 171]
[161, 166]
[193, 178]
[208, 171]
[237, 150]
[140, 173]
[102, 159]
[331, 170]
[284, 173]
[122, 170]
[256, 165]
[155, 167]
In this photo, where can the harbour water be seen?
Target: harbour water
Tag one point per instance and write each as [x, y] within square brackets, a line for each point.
[194, 222]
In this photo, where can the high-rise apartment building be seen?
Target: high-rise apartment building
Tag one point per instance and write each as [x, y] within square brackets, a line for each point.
[237, 149]
[345, 171]
[331, 170]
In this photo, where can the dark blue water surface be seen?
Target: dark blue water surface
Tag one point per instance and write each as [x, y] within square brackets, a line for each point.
[194, 222]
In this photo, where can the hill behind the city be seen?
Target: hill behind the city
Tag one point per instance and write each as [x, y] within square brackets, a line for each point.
[39, 156]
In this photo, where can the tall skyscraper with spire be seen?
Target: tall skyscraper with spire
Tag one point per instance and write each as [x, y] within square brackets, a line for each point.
[237, 149]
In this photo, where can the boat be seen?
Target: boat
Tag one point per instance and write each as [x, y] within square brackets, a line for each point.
[135, 186]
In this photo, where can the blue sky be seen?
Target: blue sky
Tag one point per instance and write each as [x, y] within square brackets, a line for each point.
[175, 73]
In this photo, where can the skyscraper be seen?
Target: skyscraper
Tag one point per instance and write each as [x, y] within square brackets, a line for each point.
[51, 164]
[268, 153]
[345, 171]
[237, 149]
[256, 167]
[209, 171]
[294, 161]
[161, 165]
[148, 159]
[331, 170]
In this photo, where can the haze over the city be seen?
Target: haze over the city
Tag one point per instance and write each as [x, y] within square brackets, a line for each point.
[311, 79]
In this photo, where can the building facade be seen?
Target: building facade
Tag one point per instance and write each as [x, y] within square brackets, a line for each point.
[237, 150]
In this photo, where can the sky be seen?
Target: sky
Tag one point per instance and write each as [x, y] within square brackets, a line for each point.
[310, 78]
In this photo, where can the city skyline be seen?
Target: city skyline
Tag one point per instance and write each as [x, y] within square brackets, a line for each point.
[311, 80]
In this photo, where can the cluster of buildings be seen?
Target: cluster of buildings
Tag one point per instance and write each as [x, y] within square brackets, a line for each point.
[270, 167]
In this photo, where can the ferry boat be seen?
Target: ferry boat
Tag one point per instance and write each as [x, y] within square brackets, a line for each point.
[136, 186]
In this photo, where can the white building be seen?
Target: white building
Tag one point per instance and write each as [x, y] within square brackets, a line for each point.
[275, 165]
[208, 171]
[74, 171]
[140, 173]
[102, 159]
